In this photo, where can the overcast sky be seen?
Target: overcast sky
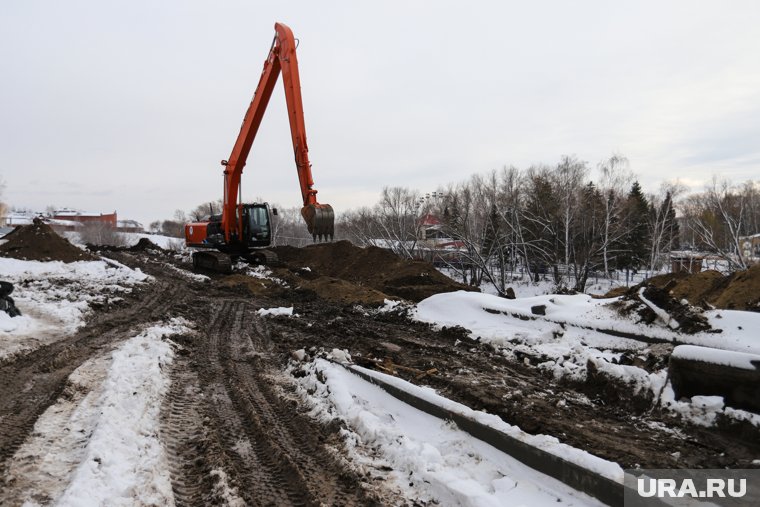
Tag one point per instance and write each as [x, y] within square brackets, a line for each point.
[130, 105]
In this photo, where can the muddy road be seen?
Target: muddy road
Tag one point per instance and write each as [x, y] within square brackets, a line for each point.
[233, 426]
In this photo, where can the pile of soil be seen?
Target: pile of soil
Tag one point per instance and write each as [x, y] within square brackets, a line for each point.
[742, 291]
[374, 272]
[39, 242]
[710, 289]
[143, 245]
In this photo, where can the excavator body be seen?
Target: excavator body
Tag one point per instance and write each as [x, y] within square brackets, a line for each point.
[245, 230]
[215, 253]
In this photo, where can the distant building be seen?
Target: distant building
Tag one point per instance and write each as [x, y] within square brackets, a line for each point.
[686, 262]
[750, 247]
[85, 217]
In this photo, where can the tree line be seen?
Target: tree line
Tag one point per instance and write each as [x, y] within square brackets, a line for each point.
[556, 221]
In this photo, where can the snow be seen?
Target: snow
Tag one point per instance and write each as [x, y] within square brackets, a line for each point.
[715, 356]
[547, 443]
[427, 459]
[56, 297]
[500, 320]
[260, 272]
[99, 445]
[288, 312]
[187, 274]
[699, 410]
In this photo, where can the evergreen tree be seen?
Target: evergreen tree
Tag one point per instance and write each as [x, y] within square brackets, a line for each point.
[634, 244]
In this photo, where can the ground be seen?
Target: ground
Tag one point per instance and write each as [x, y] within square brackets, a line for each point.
[236, 416]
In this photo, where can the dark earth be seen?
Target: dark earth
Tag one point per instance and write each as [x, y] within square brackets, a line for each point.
[228, 384]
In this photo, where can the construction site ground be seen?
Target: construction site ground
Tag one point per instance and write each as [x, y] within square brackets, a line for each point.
[229, 383]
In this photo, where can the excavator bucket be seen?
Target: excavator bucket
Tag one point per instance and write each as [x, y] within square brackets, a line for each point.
[320, 220]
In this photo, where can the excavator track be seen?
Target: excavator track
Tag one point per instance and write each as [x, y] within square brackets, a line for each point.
[212, 261]
[263, 256]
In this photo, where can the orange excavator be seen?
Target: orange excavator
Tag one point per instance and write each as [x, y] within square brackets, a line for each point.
[245, 230]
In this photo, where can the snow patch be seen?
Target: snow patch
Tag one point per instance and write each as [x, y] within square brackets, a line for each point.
[280, 311]
[56, 297]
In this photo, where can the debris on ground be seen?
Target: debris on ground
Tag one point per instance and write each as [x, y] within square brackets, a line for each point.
[7, 304]
[39, 242]
[710, 289]
[652, 304]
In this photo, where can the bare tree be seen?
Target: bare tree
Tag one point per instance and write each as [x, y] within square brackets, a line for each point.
[717, 217]
[615, 178]
[289, 228]
[205, 210]
[661, 220]
[397, 219]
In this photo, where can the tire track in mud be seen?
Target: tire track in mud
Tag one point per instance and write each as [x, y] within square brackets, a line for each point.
[272, 455]
[185, 438]
[244, 459]
[32, 382]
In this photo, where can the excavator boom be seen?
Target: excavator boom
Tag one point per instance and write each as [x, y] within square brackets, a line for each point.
[320, 218]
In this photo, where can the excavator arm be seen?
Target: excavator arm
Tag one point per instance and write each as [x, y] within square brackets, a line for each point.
[320, 218]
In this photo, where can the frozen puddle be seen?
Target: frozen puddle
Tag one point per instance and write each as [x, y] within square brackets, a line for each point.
[99, 442]
[427, 458]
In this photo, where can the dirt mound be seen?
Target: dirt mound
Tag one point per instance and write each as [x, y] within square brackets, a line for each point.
[372, 268]
[707, 289]
[39, 242]
[143, 245]
[741, 292]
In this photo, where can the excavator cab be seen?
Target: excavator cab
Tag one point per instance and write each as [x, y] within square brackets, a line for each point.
[257, 225]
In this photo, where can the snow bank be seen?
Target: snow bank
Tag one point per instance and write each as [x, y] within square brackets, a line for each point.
[500, 320]
[55, 297]
[99, 444]
[715, 356]
[430, 460]
[124, 461]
